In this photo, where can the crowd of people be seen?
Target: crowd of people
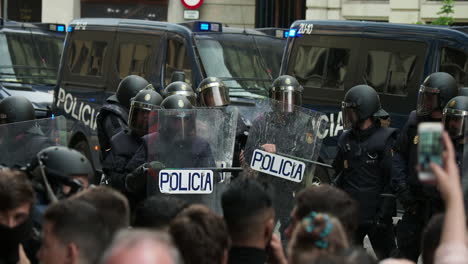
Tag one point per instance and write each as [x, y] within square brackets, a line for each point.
[52, 210]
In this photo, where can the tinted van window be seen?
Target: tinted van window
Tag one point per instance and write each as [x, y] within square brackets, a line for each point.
[134, 59]
[320, 67]
[455, 62]
[87, 57]
[177, 59]
[389, 72]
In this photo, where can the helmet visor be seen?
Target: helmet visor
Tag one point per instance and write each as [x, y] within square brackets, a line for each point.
[141, 117]
[428, 101]
[455, 122]
[350, 115]
[288, 99]
[215, 96]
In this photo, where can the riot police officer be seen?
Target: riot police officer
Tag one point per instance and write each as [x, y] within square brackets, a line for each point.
[59, 172]
[213, 93]
[125, 143]
[181, 88]
[20, 139]
[113, 115]
[455, 120]
[436, 90]
[363, 164]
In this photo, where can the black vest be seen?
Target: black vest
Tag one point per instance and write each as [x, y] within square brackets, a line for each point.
[119, 112]
[363, 177]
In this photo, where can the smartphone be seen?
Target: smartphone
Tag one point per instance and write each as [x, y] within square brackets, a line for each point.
[430, 149]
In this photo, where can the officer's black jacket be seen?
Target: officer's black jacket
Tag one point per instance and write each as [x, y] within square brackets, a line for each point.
[112, 119]
[363, 169]
[116, 165]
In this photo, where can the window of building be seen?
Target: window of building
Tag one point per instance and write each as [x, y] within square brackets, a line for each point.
[87, 57]
[455, 62]
[135, 59]
[319, 67]
[177, 60]
[389, 72]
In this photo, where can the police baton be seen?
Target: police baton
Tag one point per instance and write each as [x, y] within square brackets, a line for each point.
[305, 160]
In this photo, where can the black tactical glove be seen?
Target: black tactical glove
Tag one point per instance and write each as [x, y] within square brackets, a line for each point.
[135, 182]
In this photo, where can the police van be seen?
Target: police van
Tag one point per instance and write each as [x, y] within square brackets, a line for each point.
[30, 55]
[330, 57]
[100, 52]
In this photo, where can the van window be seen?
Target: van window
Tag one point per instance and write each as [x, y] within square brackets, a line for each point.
[319, 67]
[389, 72]
[177, 59]
[135, 59]
[87, 57]
[455, 63]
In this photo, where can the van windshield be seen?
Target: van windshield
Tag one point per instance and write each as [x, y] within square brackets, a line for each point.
[246, 63]
[29, 58]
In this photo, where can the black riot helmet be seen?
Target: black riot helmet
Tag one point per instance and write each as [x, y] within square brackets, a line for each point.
[61, 166]
[181, 88]
[360, 103]
[455, 116]
[463, 91]
[178, 76]
[213, 92]
[288, 91]
[129, 87]
[178, 119]
[16, 109]
[436, 90]
[142, 111]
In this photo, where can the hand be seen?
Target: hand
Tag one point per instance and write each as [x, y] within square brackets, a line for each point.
[269, 148]
[154, 167]
[448, 177]
[276, 253]
[135, 181]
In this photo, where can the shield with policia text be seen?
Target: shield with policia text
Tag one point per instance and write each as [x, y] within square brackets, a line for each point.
[21, 141]
[192, 150]
[282, 150]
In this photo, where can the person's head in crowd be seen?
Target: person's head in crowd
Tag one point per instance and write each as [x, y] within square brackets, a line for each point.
[143, 247]
[326, 199]
[111, 204]
[434, 93]
[201, 235]
[316, 234]
[157, 211]
[73, 232]
[66, 171]
[431, 238]
[249, 214]
[16, 201]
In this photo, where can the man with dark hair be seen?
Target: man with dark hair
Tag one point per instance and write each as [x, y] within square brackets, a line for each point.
[431, 238]
[73, 232]
[250, 218]
[111, 204]
[16, 201]
[157, 211]
[201, 235]
[325, 199]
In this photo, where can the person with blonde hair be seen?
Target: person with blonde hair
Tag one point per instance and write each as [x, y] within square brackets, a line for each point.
[316, 234]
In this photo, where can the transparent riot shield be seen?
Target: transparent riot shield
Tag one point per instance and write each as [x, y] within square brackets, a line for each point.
[195, 149]
[464, 166]
[21, 141]
[282, 150]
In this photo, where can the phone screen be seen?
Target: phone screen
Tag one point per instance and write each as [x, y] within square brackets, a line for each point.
[430, 149]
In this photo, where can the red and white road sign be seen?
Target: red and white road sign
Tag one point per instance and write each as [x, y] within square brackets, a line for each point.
[192, 4]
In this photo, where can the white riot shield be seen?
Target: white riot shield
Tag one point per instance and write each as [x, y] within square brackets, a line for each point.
[194, 146]
[21, 141]
[282, 150]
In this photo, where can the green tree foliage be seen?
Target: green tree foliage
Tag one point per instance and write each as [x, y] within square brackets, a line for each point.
[445, 13]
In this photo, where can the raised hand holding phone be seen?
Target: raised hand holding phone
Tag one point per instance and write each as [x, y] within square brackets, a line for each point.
[430, 148]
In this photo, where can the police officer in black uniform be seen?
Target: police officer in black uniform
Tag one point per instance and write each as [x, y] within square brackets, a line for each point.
[181, 88]
[420, 202]
[455, 120]
[363, 165]
[213, 93]
[125, 143]
[19, 140]
[113, 115]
